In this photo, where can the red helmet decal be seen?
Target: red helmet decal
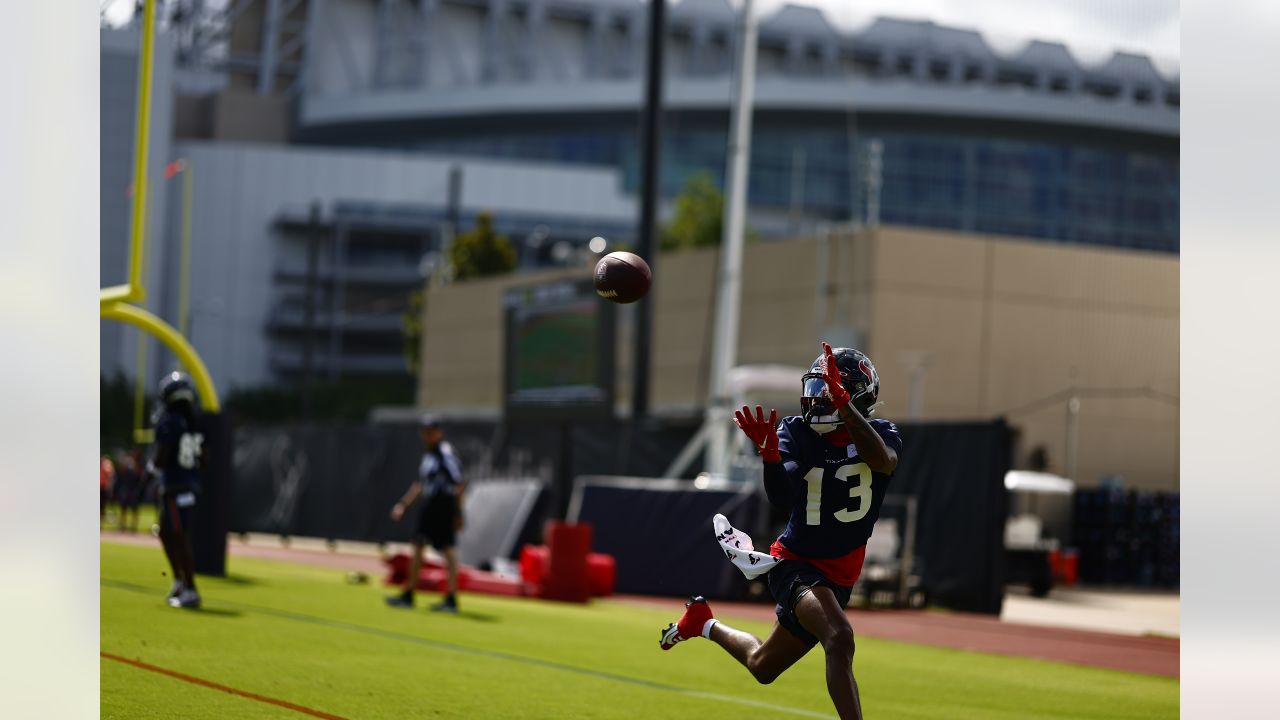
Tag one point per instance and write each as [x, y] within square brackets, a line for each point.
[864, 364]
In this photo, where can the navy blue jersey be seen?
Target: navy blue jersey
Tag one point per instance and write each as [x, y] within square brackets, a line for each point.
[439, 471]
[833, 496]
[179, 448]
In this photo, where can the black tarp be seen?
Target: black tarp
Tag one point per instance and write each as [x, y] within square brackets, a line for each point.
[956, 472]
[660, 535]
[213, 511]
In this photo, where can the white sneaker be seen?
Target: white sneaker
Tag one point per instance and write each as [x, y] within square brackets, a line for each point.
[174, 591]
[185, 599]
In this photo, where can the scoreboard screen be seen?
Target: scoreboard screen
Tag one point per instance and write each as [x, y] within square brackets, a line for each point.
[559, 351]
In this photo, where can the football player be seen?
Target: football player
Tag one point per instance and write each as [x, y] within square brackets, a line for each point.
[176, 465]
[829, 469]
[440, 520]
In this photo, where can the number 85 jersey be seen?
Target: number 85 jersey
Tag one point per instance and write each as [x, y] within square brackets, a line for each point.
[833, 496]
[179, 451]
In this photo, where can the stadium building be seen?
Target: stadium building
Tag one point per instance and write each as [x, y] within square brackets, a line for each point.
[1031, 143]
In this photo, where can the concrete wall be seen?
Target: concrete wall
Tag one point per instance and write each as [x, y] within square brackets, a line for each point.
[1009, 323]
[1004, 323]
[783, 309]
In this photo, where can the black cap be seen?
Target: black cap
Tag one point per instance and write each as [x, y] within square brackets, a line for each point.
[428, 421]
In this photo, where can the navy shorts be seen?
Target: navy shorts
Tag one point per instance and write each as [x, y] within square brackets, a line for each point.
[435, 522]
[790, 581]
[177, 510]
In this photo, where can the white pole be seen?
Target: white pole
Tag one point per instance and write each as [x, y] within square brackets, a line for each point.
[797, 189]
[729, 289]
[875, 156]
[1073, 437]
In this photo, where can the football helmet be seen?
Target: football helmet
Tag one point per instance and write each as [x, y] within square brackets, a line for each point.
[858, 377]
[175, 388]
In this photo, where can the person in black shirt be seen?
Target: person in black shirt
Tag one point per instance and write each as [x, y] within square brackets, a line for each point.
[440, 519]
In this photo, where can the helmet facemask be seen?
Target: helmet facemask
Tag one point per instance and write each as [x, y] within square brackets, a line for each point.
[815, 401]
[857, 376]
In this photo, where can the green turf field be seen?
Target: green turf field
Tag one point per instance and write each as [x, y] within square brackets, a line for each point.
[300, 634]
[146, 518]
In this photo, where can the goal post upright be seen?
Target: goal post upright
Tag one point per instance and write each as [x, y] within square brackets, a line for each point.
[120, 302]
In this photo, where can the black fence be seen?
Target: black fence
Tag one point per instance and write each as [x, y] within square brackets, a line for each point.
[340, 481]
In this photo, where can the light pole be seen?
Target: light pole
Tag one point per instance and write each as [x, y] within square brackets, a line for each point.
[1073, 435]
[724, 348]
[917, 363]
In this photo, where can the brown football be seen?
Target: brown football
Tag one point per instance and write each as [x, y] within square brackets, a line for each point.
[622, 277]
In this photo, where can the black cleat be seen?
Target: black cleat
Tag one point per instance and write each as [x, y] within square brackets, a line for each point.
[448, 605]
[400, 601]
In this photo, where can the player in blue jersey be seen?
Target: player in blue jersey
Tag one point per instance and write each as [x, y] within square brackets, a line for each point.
[176, 464]
[829, 469]
[440, 520]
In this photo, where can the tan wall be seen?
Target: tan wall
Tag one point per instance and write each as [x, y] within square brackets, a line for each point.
[1011, 322]
[1007, 323]
[462, 339]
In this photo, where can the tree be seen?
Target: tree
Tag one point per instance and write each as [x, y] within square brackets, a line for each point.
[698, 220]
[411, 329]
[115, 418]
[481, 252]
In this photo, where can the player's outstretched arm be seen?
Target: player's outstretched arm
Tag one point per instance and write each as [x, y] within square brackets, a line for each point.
[871, 447]
[764, 435]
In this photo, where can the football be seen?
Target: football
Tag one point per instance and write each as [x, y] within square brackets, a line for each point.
[622, 277]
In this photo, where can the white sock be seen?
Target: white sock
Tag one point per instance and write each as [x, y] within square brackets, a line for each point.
[706, 628]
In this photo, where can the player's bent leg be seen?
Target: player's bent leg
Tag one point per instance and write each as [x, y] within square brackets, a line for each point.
[821, 613]
[764, 660]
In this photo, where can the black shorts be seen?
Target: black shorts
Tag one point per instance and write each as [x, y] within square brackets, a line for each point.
[788, 582]
[436, 522]
[176, 510]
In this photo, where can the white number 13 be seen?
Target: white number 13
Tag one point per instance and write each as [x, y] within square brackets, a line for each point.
[861, 491]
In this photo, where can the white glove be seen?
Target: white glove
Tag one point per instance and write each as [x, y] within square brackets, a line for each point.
[737, 546]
